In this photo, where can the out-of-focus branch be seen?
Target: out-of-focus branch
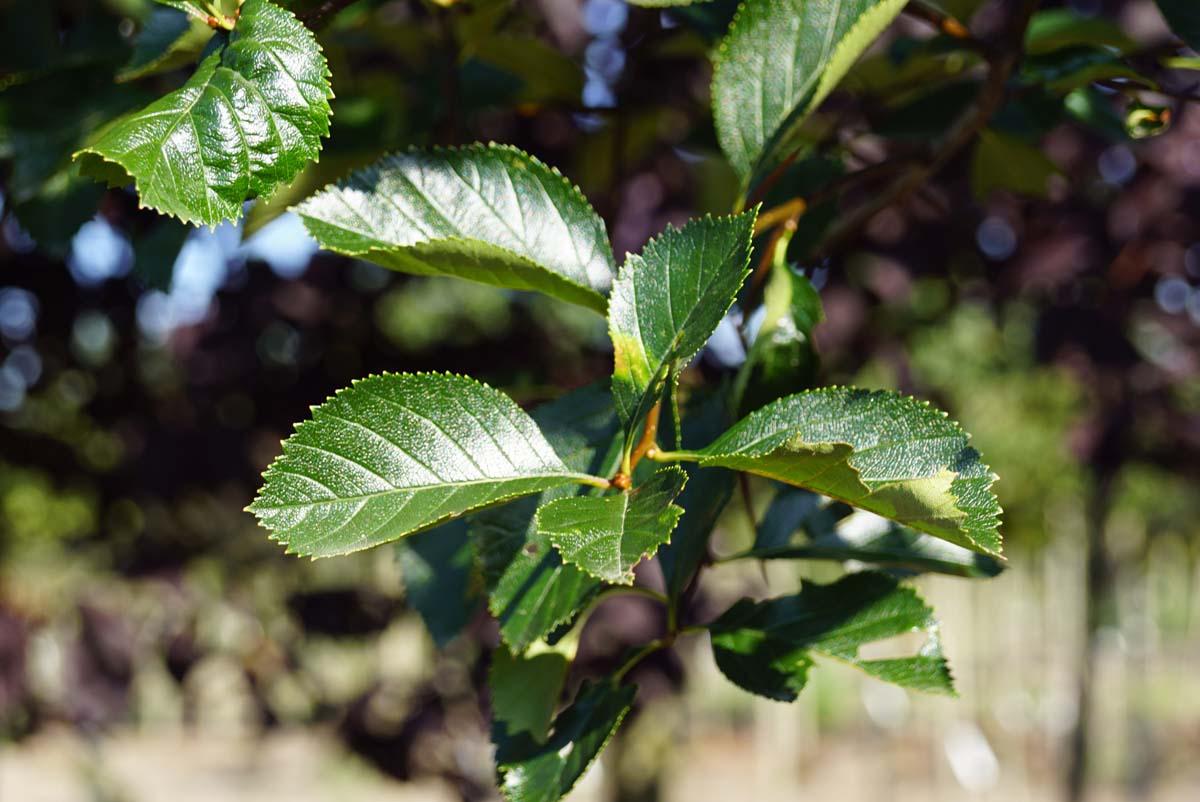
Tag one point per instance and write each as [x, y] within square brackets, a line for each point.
[1005, 56]
[946, 24]
[318, 16]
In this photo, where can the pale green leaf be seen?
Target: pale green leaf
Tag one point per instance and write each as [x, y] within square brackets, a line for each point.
[668, 301]
[766, 647]
[170, 39]
[607, 536]
[1001, 161]
[398, 453]
[531, 591]
[488, 213]
[525, 691]
[248, 119]
[545, 772]
[780, 59]
[883, 452]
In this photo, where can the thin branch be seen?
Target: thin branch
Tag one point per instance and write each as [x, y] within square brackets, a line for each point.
[319, 16]
[991, 98]
[649, 439]
[946, 24]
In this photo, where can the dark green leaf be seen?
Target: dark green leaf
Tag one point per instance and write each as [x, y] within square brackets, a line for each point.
[488, 213]
[881, 451]
[1184, 18]
[394, 454]
[793, 509]
[668, 301]
[779, 61]
[607, 536]
[766, 647]
[889, 545]
[531, 590]
[248, 119]
[525, 691]
[440, 580]
[170, 39]
[155, 254]
[535, 772]
[703, 499]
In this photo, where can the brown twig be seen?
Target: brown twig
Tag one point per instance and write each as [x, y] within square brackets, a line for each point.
[318, 16]
[649, 439]
[946, 24]
[1004, 60]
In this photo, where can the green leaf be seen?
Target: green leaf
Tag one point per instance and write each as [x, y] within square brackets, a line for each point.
[889, 545]
[170, 39]
[525, 691]
[1005, 162]
[155, 254]
[783, 358]
[793, 509]
[667, 302]
[248, 119]
[780, 59]
[488, 213]
[886, 453]
[766, 647]
[1183, 16]
[535, 772]
[395, 454]
[1057, 28]
[531, 591]
[440, 580]
[607, 536]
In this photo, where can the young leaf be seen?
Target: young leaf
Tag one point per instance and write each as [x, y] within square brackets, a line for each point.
[536, 772]
[525, 691]
[531, 591]
[169, 39]
[766, 647]
[1184, 18]
[668, 301]
[780, 59]
[248, 119]
[440, 580]
[488, 213]
[394, 454]
[782, 359]
[607, 536]
[886, 453]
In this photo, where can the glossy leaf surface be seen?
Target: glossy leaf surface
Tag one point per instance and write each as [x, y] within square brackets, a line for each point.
[607, 536]
[487, 213]
[668, 300]
[883, 452]
[545, 772]
[250, 117]
[780, 59]
[531, 590]
[394, 454]
[766, 647]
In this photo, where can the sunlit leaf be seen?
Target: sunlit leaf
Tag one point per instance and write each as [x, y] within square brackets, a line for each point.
[488, 213]
[394, 454]
[248, 119]
[883, 452]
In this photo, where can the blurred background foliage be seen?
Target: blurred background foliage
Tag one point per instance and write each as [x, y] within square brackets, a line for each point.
[1045, 290]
